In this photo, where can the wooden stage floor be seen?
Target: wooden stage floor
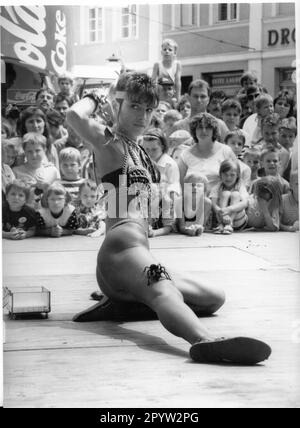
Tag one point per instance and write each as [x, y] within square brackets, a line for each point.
[59, 363]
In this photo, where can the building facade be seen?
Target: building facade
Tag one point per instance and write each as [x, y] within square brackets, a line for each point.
[216, 42]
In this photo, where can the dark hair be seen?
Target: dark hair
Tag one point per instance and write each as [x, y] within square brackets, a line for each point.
[239, 133]
[62, 97]
[20, 185]
[26, 114]
[54, 117]
[183, 100]
[204, 119]
[248, 75]
[288, 97]
[88, 183]
[231, 103]
[199, 84]
[48, 90]
[219, 95]
[138, 87]
[157, 134]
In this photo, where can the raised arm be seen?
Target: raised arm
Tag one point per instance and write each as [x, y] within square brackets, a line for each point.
[78, 117]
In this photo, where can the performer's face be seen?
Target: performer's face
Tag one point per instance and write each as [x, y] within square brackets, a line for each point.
[134, 117]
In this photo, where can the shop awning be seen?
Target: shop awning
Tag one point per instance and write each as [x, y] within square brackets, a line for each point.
[37, 36]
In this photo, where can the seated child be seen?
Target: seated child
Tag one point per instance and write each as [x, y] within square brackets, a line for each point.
[230, 199]
[252, 159]
[90, 215]
[178, 142]
[270, 162]
[290, 211]
[162, 212]
[195, 215]
[70, 169]
[287, 135]
[156, 145]
[170, 118]
[270, 132]
[265, 204]
[7, 174]
[57, 217]
[236, 141]
[36, 171]
[264, 107]
[19, 221]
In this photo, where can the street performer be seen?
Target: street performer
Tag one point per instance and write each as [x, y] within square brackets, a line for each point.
[126, 269]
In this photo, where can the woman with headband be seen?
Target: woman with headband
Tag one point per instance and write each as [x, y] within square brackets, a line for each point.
[126, 269]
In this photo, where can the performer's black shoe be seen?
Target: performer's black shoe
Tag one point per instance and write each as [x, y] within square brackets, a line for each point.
[238, 350]
[104, 310]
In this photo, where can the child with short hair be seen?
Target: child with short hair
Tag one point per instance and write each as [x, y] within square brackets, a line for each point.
[236, 141]
[253, 125]
[36, 171]
[231, 115]
[170, 118]
[169, 67]
[230, 199]
[70, 168]
[90, 215]
[289, 221]
[270, 162]
[252, 159]
[265, 204]
[270, 132]
[57, 217]
[287, 133]
[19, 220]
[178, 142]
[65, 83]
[194, 215]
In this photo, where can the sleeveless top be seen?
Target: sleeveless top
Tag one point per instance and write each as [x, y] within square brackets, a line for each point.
[137, 172]
[168, 72]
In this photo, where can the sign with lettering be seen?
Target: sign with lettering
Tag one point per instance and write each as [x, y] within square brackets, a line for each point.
[282, 37]
[36, 35]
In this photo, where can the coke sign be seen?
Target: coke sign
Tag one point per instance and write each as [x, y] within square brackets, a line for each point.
[35, 35]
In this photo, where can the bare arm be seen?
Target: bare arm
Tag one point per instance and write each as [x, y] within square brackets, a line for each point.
[272, 225]
[178, 81]
[183, 170]
[78, 117]
[155, 72]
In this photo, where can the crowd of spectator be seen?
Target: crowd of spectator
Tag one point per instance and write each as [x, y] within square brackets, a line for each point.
[226, 163]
